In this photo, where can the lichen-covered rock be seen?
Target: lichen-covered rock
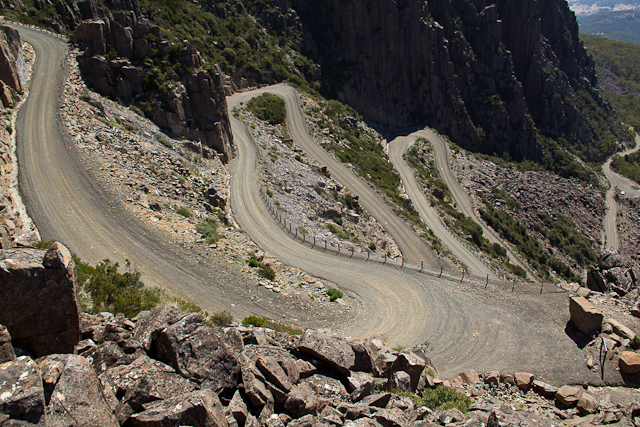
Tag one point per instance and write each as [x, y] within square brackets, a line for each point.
[200, 408]
[150, 324]
[21, 394]
[198, 353]
[336, 352]
[76, 396]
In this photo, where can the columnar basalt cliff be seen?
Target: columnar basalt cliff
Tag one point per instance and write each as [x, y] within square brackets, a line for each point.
[119, 59]
[491, 76]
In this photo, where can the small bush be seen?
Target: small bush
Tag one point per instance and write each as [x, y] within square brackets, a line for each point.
[372, 246]
[184, 211]
[9, 129]
[254, 263]
[165, 141]
[444, 398]
[222, 318]
[635, 343]
[43, 244]
[334, 294]
[267, 272]
[268, 107]
[209, 229]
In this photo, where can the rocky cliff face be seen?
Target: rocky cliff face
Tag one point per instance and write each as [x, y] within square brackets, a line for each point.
[488, 75]
[125, 56]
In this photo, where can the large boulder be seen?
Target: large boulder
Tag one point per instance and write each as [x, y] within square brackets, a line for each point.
[151, 323]
[584, 315]
[77, 397]
[198, 353]
[301, 401]
[21, 394]
[569, 396]
[595, 281]
[610, 259]
[200, 408]
[335, 352]
[629, 362]
[38, 299]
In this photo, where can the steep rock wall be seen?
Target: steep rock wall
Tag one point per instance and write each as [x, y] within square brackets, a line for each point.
[491, 75]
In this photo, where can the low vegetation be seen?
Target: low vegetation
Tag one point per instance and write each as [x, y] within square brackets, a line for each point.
[268, 107]
[334, 294]
[103, 288]
[440, 398]
[263, 270]
[263, 322]
[209, 229]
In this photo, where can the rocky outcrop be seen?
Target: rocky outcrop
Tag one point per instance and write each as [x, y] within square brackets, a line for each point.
[490, 76]
[121, 57]
[38, 299]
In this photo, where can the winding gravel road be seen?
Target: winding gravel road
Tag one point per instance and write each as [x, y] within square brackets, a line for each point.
[632, 190]
[429, 215]
[466, 326]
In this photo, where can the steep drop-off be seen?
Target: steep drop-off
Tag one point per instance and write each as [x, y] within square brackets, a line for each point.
[492, 77]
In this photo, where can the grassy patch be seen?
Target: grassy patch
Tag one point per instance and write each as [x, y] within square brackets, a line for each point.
[337, 231]
[263, 270]
[185, 212]
[268, 107]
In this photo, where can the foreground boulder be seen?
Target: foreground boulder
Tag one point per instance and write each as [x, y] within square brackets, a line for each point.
[200, 408]
[21, 394]
[335, 352]
[584, 315]
[198, 353]
[6, 349]
[38, 299]
[74, 393]
[629, 362]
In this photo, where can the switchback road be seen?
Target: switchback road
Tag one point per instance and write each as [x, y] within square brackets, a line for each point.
[466, 326]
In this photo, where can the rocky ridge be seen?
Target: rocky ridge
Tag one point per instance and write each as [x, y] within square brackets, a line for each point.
[121, 56]
[166, 367]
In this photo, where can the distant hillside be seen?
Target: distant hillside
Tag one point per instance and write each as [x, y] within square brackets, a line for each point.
[586, 7]
[618, 75]
[622, 25]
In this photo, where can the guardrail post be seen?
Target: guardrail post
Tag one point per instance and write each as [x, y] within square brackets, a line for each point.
[542, 286]
[385, 259]
[421, 266]
[514, 283]
[325, 246]
[314, 242]
[440, 272]
[296, 236]
[289, 227]
[352, 250]
[338, 249]
[462, 276]
[402, 262]
[485, 286]
[368, 254]
[304, 237]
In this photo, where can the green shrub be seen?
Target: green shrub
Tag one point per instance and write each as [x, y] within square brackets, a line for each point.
[444, 398]
[184, 211]
[267, 272]
[372, 246]
[209, 229]
[338, 232]
[165, 141]
[635, 343]
[254, 263]
[9, 129]
[43, 244]
[268, 107]
[112, 291]
[334, 294]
